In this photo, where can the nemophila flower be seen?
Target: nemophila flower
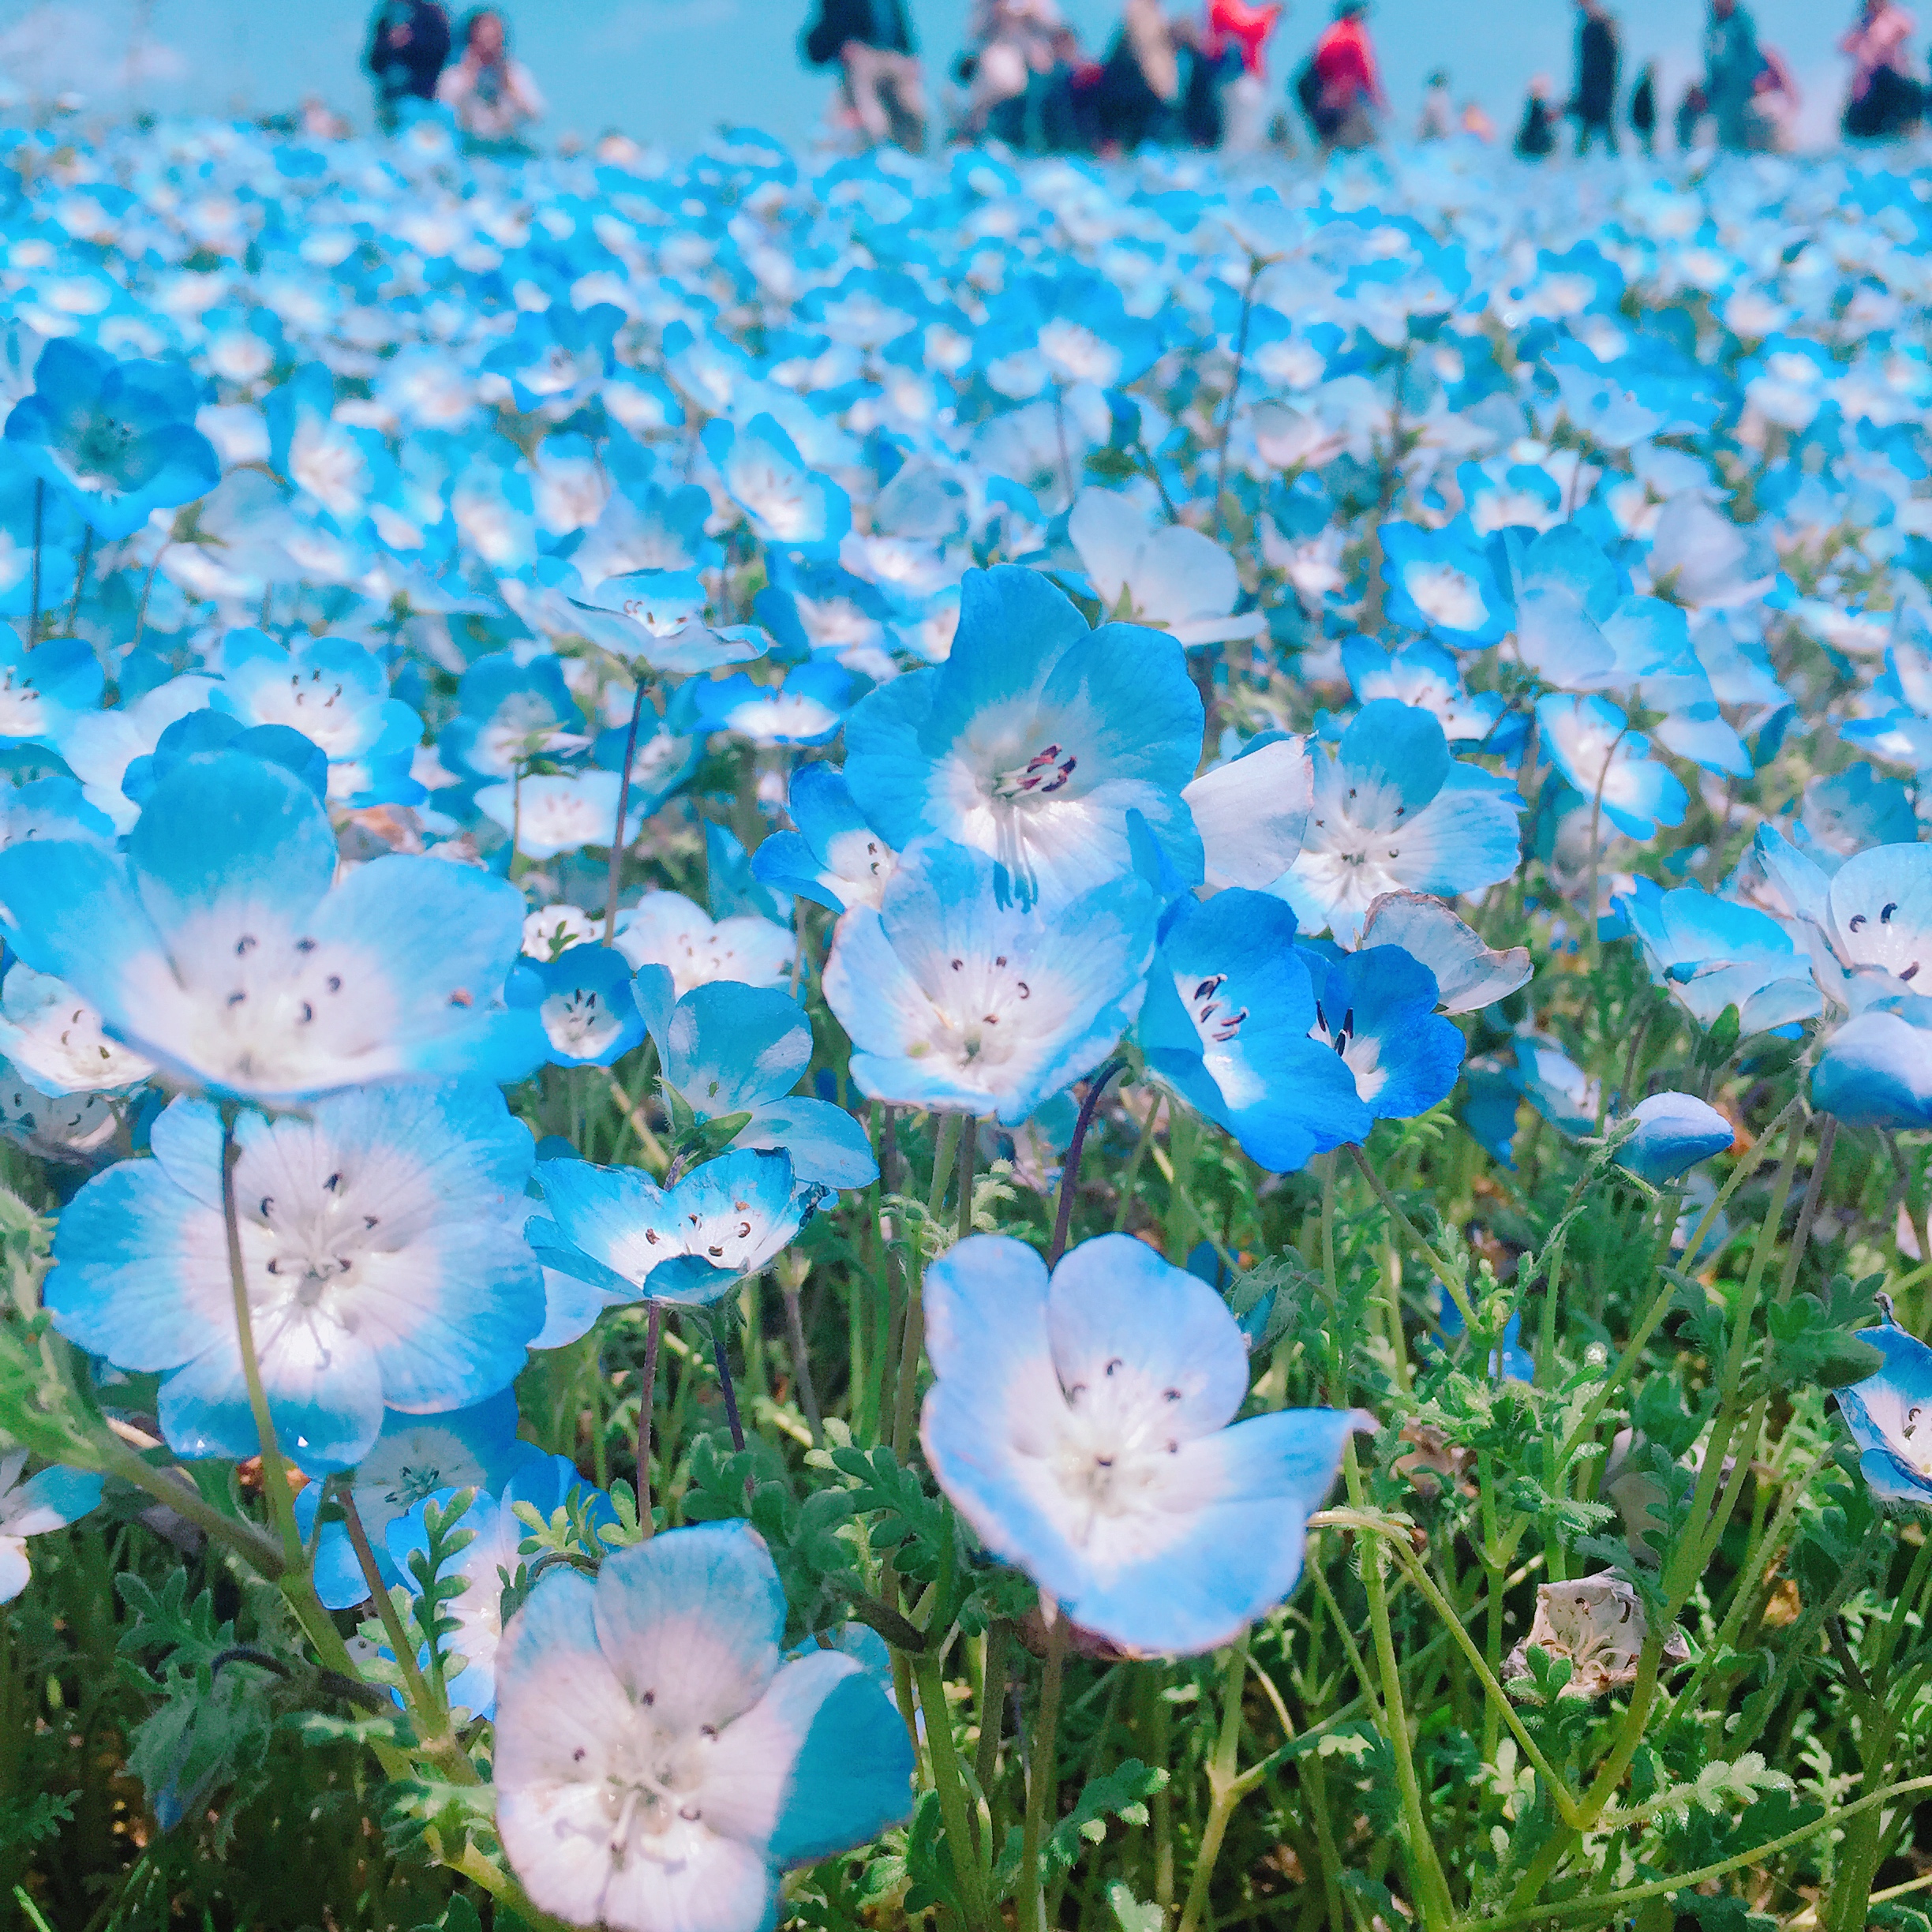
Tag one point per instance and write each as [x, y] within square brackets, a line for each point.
[381, 1252]
[1876, 1069]
[43, 691]
[663, 612]
[1674, 1132]
[790, 507]
[556, 812]
[1252, 812]
[664, 928]
[414, 1456]
[1441, 581]
[1171, 577]
[1590, 742]
[490, 1560]
[553, 929]
[1393, 811]
[1879, 909]
[55, 1037]
[1079, 1423]
[956, 998]
[1713, 954]
[1423, 674]
[1555, 1086]
[657, 1765]
[1375, 1012]
[118, 438]
[726, 1049]
[219, 947]
[1576, 626]
[1469, 975]
[336, 694]
[833, 858]
[1889, 1415]
[1700, 558]
[1226, 1025]
[583, 1000]
[807, 707]
[1598, 1625]
[51, 1499]
[508, 713]
[99, 746]
[616, 1229]
[558, 358]
[1034, 741]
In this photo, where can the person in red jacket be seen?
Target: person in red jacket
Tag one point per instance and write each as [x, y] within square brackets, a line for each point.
[1351, 94]
[1237, 32]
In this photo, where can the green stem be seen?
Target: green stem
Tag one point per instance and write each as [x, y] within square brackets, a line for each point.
[1450, 1276]
[943, 1754]
[1042, 1780]
[1225, 1789]
[423, 1706]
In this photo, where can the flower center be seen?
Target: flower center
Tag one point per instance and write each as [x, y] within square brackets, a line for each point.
[1218, 1019]
[1044, 773]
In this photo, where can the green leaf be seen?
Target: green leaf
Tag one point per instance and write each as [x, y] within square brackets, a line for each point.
[1129, 1913]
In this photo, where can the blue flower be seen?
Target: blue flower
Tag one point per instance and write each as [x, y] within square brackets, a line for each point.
[1170, 578]
[493, 1556]
[50, 1500]
[834, 857]
[190, 739]
[1034, 741]
[664, 928]
[508, 713]
[336, 694]
[220, 949]
[729, 1049]
[1713, 954]
[1439, 581]
[1889, 1414]
[616, 1229]
[1080, 1423]
[1590, 742]
[117, 439]
[653, 1753]
[1425, 674]
[1377, 1014]
[41, 690]
[1876, 1069]
[557, 812]
[54, 1037]
[381, 1249]
[790, 507]
[582, 999]
[955, 999]
[805, 707]
[1674, 1132]
[661, 613]
[1226, 1024]
[413, 1457]
[1394, 811]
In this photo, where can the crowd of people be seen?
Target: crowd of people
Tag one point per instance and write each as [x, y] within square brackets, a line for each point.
[1203, 79]
[490, 96]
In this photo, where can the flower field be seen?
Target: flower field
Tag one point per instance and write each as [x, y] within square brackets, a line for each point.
[961, 1042]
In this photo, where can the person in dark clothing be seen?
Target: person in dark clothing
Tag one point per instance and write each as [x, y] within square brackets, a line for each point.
[409, 48]
[1536, 137]
[870, 41]
[1593, 103]
[1643, 108]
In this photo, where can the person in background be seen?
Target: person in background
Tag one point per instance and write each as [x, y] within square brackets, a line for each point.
[1536, 139]
[884, 87]
[492, 96]
[1886, 97]
[1016, 46]
[1693, 106]
[1477, 123]
[409, 45]
[1438, 117]
[1350, 96]
[1233, 41]
[1141, 82]
[1774, 102]
[1643, 108]
[1593, 105]
[1730, 68]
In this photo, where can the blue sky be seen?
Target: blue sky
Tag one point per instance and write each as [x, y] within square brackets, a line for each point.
[670, 69]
